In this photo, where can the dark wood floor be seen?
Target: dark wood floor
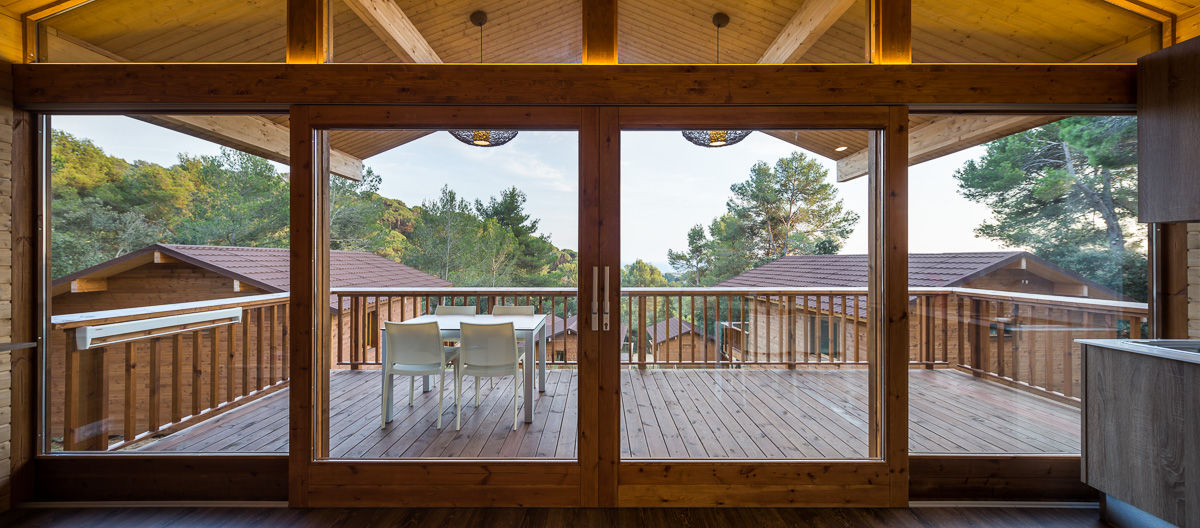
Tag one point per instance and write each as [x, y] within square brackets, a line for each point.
[552, 518]
[684, 413]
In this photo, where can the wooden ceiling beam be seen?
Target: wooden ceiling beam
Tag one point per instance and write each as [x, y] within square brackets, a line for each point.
[307, 31]
[889, 31]
[948, 134]
[394, 28]
[599, 31]
[1168, 21]
[253, 134]
[144, 88]
[810, 22]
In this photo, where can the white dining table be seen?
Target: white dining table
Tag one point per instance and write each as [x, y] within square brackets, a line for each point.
[530, 328]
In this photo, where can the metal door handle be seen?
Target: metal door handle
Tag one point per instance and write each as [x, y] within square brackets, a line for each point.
[595, 298]
[605, 298]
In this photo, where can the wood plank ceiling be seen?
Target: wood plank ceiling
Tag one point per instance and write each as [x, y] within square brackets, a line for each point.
[649, 31]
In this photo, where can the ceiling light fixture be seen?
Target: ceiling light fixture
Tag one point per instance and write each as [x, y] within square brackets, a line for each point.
[716, 138]
[483, 138]
[840, 149]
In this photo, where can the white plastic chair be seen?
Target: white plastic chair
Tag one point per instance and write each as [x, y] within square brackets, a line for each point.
[414, 350]
[446, 309]
[488, 351]
[513, 310]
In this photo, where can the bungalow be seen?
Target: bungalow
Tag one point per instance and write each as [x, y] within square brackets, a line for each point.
[824, 329]
[170, 273]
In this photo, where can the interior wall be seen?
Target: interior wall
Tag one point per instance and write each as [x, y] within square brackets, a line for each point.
[10, 52]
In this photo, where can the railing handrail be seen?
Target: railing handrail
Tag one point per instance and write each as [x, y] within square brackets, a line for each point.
[65, 321]
[75, 320]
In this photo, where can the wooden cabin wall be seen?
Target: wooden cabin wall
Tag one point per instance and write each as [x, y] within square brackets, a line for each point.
[10, 53]
[1193, 280]
[153, 284]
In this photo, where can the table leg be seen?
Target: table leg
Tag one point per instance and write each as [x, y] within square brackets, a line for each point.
[541, 352]
[425, 384]
[528, 371]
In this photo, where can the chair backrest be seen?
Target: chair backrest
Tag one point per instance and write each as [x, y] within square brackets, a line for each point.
[414, 344]
[513, 310]
[445, 309]
[488, 345]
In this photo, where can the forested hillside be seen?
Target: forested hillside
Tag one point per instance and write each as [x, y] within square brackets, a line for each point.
[104, 207]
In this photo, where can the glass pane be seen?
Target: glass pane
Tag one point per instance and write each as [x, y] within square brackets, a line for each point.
[543, 31]
[685, 32]
[168, 304]
[156, 31]
[1020, 246]
[745, 297]
[477, 274]
[1029, 31]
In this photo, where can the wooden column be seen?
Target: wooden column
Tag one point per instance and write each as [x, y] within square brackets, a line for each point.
[307, 306]
[1168, 281]
[599, 359]
[888, 277]
[26, 303]
[307, 36]
[599, 31]
[889, 31]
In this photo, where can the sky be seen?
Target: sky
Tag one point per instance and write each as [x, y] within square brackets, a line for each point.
[667, 184]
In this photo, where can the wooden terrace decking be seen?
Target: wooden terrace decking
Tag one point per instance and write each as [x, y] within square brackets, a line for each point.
[684, 413]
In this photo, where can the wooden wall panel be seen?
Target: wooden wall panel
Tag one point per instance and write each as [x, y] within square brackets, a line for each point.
[994, 478]
[125, 478]
[1193, 281]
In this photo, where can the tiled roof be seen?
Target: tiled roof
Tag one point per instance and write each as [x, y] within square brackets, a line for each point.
[670, 329]
[845, 271]
[268, 267]
[571, 326]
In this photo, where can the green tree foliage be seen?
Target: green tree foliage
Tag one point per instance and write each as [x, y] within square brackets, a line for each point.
[1068, 192]
[241, 200]
[642, 274]
[786, 209]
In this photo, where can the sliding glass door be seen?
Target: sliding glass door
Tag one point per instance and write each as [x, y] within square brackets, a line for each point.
[642, 361]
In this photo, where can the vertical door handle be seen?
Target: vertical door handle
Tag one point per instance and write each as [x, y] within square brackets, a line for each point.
[595, 298]
[605, 298]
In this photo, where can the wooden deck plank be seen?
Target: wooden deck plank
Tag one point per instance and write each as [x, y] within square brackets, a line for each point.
[666, 413]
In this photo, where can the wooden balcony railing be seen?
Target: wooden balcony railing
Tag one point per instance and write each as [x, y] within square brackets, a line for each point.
[164, 373]
[1023, 340]
[153, 372]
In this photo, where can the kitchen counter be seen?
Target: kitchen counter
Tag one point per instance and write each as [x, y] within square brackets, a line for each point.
[1141, 429]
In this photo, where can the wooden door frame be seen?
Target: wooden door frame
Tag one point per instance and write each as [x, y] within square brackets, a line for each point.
[880, 481]
[316, 480]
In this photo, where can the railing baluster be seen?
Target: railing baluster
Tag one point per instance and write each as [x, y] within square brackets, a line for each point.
[196, 370]
[271, 351]
[155, 381]
[131, 406]
[214, 365]
[176, 378]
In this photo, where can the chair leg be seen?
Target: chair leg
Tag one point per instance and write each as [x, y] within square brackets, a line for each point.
[516, 392]
[441, 392]
[457, 398]
[412, 386]
[476, 392]
[386, 399]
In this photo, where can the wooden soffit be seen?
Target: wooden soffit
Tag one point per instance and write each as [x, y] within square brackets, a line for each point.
[273, 87]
